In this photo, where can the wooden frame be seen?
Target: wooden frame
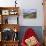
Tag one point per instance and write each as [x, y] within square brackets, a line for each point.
[5, 12]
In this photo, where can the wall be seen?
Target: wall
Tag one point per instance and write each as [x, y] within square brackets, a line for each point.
[27, 4]
[31, 4]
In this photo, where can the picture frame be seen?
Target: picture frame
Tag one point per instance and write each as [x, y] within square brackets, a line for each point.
[5, 12]
[12, 12]
[29, 13]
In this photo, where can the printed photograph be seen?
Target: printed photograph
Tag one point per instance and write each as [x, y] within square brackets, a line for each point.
[29, 13]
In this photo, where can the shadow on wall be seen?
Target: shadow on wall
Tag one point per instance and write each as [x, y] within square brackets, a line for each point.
[37, 29]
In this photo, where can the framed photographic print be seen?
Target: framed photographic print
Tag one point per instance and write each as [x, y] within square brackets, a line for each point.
[12, 12]
[29, 13]
[5, 12]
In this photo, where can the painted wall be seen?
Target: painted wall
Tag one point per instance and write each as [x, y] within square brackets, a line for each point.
[33, 4]
[27, 4]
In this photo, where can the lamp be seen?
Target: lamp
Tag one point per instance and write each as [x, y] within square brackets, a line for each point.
[15, 3]
[15, 30]
[15, 37]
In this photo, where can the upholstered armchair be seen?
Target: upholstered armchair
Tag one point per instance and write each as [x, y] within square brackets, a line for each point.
[30, 38]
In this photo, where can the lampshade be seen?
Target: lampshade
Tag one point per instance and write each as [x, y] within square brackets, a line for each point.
[15, 30]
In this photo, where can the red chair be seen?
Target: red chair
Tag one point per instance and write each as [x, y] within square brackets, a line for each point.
[29, 33]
